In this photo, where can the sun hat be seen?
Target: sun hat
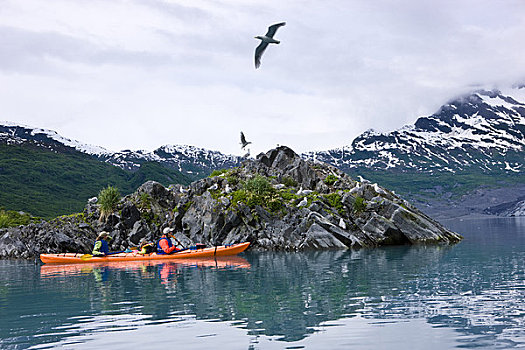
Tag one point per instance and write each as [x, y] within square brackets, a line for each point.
[102, 235]
[167, 230]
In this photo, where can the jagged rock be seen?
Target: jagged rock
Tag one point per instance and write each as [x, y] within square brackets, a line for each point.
[129, 215]
[139, 231]
[92, 210]
[161, 197]
[419, 229]
[111, 221]
[11, 246]
[383, 232]
[65, 243]
[284, 162]
[348, 200]
[317, 237]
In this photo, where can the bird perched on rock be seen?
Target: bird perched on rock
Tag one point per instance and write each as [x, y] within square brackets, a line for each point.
[303, 192]
[265, 40]
[244, 143]
[303, 203]
[363, 180]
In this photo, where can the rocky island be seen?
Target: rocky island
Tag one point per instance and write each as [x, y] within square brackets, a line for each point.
[277, 201]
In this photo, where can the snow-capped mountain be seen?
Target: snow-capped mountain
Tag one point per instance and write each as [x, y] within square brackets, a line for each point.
[484, 131]
[193, 161]
[13, 133]
[480, 135]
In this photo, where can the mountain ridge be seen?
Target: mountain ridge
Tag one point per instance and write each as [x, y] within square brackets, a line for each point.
[474, 141]
[195, 162]
[480, 129]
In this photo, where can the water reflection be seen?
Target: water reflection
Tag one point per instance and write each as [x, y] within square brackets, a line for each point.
[143, 267]
[473, 292]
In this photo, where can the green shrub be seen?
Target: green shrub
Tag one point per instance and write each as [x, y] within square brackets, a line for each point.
[218, 172]
[75, 216]
[288, 181]
[12, 218]
[274, 205]
[232, 179]
[4, 221]
[239, 196]
[359, 204]
[108, 199]
[151, 218]
[254, 199]
[187, 206]
[312, 196]
[258, 191]
[144, 201]
[216, 194]
[287, 195]
[335, 201]
[330, 179]
[249, 198]
[259, 185]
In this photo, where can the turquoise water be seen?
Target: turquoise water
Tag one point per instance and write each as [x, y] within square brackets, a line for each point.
[471, 295]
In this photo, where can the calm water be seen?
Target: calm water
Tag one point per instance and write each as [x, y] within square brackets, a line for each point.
[471, 295]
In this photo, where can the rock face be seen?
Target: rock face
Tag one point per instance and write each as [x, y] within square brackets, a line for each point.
[278, 201]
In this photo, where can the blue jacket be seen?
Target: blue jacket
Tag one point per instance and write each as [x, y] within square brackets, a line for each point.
[101, 247]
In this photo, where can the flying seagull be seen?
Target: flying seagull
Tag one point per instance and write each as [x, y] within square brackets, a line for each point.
[244, 143]
[265, 40]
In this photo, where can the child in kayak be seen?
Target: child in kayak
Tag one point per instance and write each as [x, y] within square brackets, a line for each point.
[164, 244]
[147, 248]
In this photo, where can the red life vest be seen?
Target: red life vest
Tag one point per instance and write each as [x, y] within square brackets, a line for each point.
[170, 245]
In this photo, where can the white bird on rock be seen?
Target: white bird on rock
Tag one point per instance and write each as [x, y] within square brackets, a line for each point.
[265, 40]
[303, 192]
[363, 180]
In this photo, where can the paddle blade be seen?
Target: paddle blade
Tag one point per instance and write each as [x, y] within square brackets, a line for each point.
[86, 257]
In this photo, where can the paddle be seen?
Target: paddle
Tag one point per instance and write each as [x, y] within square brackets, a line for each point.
[176, 240]
[180, 244]
[89, 256]
[197, 246]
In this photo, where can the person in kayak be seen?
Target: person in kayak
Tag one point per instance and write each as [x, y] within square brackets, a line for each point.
[101, 247]
[164, 244]
[147, 248]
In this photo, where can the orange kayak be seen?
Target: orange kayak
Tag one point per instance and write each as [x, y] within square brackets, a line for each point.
[221, 262]
[77, 258]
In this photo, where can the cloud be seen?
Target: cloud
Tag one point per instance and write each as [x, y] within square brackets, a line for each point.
[45, 52]
[138, 74]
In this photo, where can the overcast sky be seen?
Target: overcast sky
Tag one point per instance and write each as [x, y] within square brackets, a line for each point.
[139, 74]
